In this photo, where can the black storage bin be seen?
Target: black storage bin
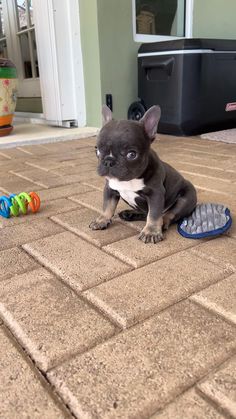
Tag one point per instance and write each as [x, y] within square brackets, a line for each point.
[193, 81]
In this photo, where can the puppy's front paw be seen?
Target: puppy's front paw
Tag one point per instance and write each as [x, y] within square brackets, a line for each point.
[101, 223]
[151, 235]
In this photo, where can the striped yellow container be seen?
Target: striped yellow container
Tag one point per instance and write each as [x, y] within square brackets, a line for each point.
[8, 95]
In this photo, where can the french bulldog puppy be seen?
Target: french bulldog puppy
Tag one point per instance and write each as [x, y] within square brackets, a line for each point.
[133, 171]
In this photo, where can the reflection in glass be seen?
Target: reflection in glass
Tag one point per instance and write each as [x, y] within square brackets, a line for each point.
[31, 14]
[21, 13]
[3, 49]
[25, 54]
[2, 29]
[35, 53]
[160, 17]
[3, 42]
[26, 35]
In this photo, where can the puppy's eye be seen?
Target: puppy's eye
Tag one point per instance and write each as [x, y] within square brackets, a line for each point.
[131, 155]
[97, 152]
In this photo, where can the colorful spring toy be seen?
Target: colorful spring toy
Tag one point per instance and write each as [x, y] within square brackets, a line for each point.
[14, 204]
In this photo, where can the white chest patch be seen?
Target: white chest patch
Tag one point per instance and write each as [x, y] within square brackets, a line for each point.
[127, 189]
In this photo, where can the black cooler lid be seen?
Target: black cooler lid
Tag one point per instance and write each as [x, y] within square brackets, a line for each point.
[189, 43]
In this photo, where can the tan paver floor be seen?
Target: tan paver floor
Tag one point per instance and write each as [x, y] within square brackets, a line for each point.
[100, 325]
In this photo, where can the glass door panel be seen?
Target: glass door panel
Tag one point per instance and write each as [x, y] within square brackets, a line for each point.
[3, 42]
[22, 47]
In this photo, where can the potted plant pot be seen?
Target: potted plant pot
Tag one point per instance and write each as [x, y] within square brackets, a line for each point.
[8, 95]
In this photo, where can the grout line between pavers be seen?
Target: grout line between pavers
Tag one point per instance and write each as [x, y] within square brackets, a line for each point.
[26, 220]
[69, 398]
[119, 331]
[8, 192]
[206, 166]
[213, 307]
[218, 400]
[206, 152]
[85, 236]
[212, 372]
[35, 166]
[71, 198]
[71, 356]
[217, 407]
[212, 259]
[212, 190]
[42, 216]
[30, 241]
[30, 348]
[149, 262]
[131, 263]
[81, 295]
[187, 388]
[90, 207]
[207, 176]
[113, 255]
[92, 186]
[121, 323]
[40, 259]
[117, 256]
[42, 185]
[41, 375]
[193, 248]
[124, 223]
[22, 337]
[22, 149]
[5, 156]
[195, 386]
[24, 271]
[93, 244]
[76, 292]
[110, 313]
[230, 269]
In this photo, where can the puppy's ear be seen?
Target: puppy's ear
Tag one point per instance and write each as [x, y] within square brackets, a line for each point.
[106, 115]
[150, 121]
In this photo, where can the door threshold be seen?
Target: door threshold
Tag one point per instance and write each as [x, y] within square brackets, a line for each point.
[38, 118]
[29, 118]
[30, 134]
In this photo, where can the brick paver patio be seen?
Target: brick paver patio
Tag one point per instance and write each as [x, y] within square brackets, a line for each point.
[99, 325]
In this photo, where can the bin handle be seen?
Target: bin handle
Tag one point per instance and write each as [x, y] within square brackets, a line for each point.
[166, 65]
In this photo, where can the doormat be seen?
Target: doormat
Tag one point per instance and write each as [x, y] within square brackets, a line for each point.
[226, 136]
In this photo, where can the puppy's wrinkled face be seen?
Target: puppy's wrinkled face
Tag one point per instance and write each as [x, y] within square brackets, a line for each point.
[123, 146]
[122, 150]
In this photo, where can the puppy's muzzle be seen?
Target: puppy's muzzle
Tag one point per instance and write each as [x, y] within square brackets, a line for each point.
[109, 161]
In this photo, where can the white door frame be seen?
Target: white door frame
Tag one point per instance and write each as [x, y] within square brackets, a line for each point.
[57, 26]
[27, 87]
[57, 30]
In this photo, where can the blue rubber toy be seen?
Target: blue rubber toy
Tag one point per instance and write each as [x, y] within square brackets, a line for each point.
[5, 204]
[207, 220]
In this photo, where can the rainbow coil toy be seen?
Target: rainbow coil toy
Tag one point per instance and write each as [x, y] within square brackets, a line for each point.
[14, 204]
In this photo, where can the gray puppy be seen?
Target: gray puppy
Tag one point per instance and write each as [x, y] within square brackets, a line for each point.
[156, 192]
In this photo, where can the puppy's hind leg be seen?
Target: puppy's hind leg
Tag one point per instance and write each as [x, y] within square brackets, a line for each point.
[183, 207]
[132, 215]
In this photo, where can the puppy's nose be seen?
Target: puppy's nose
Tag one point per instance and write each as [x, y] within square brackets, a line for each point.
[109, 161]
